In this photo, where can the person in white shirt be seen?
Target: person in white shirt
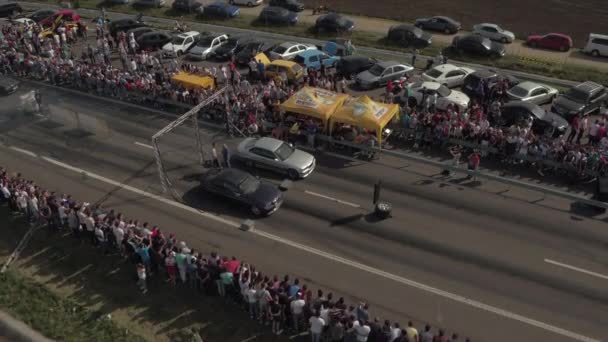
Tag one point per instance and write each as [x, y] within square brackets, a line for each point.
[63, 217]
[252, 300]
[5, 192]
[297, 309]
[362, 329]
[316, 327]
[89, 223]
[264, 298]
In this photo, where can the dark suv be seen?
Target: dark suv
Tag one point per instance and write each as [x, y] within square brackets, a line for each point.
[471, 81]
[581, 99]
[10, 9]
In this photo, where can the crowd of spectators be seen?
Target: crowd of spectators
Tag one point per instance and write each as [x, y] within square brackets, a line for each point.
[251, 106]
[283, 303]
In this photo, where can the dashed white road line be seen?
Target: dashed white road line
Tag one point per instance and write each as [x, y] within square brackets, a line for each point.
[144, 145]
[578, 269]
[312, 193]
[372, 270]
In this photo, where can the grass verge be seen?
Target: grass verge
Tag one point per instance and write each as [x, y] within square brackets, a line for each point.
[61, 287]
[548, 68]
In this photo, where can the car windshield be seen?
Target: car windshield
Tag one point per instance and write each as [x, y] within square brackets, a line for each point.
[486, 43]
[376, 70]
[434, 73]
[205, 42]
[576, 95]
[280, 49]
[444, 91]
[178, 40]
[518, 91]
[249, 185]
[284, 151]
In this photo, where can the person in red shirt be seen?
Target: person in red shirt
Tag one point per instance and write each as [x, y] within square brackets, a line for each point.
[474, 160]
[573, 128]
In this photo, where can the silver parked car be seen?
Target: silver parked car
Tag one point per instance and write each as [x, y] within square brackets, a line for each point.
[494, 32]
[532, 92]
[206, 45]
[379, 74]
[276, 155]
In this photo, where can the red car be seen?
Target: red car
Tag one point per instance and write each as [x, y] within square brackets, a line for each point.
[68, 16]
[553, 41]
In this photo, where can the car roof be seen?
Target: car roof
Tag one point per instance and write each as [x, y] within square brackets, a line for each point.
[528, 85]
[188, 34]
[308, 53]
[588, 86]
[405, 27]
[473, 36]
[230, 175]
[446, 67]
[386, 64]
[218, 4]
[269, 144]
[487, 24]
[288, 44]
[523, 104]
[445, 18]
[597, 35]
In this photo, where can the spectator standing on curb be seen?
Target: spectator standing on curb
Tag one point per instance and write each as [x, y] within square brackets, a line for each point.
[141, 278]
[412, 332]
[362, 330]
[316, 327]
[275, 313]
[474, 160]
[427, 335]
[583, 126]
[297, 311]
[216, 161]
[226, 156]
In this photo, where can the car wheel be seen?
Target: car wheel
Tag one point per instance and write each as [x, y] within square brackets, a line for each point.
[353, 76]
[250, 164]
[293, 174]
[504, 40]
[447, 31]
[595, 53]
[563, 48]
[534, 44]
[460, 51]
[249, 4]
[255, 210]
[375, 85]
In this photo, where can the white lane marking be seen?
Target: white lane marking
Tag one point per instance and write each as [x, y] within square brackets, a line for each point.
[312, 193]
[144, 145]
[455, 297]
[29, 153]
[578, 269]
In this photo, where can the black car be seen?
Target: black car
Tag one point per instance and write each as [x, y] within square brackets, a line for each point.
[581, 99]
[278, 16]
[262, 198]
[138, 31]
[543, 122]
[125, 24]
[186, 5]
[407, 35]
[477, 45]
[334, 22]
[470, 85]
[40, 14]
[10, 9]
[439, 23]
[250, 49]
[8, 85]
[292, 5]
[350, 66]
[230, 48]
[153, 40]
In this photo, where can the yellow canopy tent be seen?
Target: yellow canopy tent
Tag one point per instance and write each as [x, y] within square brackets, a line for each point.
[314, 102]
[365, 113]
[191, 81]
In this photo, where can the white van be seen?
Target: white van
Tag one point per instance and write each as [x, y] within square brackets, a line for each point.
[597, 45]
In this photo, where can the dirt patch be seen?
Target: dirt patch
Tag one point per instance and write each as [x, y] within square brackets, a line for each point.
[574, 17]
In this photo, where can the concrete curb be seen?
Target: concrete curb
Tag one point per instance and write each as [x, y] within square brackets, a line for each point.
[15, 330]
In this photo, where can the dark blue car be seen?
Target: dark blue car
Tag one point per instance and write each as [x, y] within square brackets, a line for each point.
[221, 10]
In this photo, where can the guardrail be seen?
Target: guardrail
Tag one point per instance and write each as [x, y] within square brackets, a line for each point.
[362, 49]
[15, 330]
[480, 174]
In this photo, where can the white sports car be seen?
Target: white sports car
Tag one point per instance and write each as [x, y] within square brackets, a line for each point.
[423, 90]
[449, 75]
[276, 155]
[289, 50]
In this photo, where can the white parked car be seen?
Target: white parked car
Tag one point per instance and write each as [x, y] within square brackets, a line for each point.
[289, 50]
[532, 92]
[447, 74]
[494, 32]
[24, 21]
[207, 44]
[182, 43]
[248, 3]
[423, 90]
[276, 155]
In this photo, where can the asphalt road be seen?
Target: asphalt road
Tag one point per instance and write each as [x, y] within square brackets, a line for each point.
[482, 259]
